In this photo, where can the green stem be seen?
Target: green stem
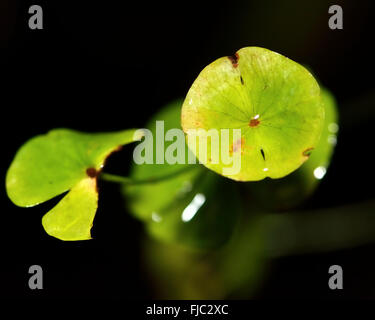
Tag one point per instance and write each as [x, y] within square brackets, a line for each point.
[114, 178]
[126, 180]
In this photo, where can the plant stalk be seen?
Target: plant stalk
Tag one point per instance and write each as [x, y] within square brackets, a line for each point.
[130, 181]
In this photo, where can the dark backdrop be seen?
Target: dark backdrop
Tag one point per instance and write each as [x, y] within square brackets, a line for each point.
[110, 65]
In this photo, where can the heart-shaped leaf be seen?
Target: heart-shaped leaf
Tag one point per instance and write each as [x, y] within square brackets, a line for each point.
[51, 164]
[273, 100]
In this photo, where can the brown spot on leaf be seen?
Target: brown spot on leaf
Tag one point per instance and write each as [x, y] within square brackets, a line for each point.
[237, 146]
[91, 172]
[234, 59]
[253, 123]
[241, 80]
[307, 152]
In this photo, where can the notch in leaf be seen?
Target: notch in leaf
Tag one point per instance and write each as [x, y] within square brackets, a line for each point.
[59, 161]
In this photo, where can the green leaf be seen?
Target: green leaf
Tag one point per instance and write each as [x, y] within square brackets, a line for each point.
[319, 160]
[273, 100]
[162, 203]
[234, 270]
[296, 187]
[51, 164]
[148, 199]
[203, 218]
[72, 217]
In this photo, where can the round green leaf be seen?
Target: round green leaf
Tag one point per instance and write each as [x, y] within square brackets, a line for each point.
[273, 100]
[51, 164]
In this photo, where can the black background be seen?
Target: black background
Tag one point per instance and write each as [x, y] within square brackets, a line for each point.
[106, 66]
